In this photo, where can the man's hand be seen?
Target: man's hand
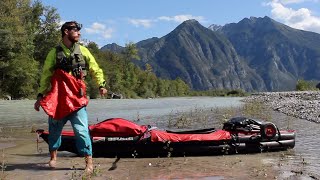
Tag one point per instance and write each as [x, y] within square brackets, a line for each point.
[103, 91]
[37, 104]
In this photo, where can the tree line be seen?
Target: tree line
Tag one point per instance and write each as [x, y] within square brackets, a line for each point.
[28, 30]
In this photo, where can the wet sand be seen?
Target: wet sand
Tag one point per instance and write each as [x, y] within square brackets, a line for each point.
[27, 161]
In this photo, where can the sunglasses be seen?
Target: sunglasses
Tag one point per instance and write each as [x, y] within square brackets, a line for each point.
[75, 28]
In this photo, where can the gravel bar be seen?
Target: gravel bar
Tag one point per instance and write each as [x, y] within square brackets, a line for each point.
[300, 104]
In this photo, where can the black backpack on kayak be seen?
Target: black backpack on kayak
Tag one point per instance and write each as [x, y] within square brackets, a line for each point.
[242, 124]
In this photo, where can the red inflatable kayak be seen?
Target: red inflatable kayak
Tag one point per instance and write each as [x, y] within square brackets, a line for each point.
[121, 137]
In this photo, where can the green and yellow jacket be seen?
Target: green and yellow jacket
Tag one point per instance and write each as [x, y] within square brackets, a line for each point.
[50, 65]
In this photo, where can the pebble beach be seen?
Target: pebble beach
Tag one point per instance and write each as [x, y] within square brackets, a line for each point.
[299, 104]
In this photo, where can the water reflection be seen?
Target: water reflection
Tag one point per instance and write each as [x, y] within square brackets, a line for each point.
[302, 161]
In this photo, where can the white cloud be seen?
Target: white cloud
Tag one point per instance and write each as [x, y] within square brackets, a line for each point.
[301, 18]
[295, 1]
[141, 22]
[181, 18]
[147, 23]
[101, 29]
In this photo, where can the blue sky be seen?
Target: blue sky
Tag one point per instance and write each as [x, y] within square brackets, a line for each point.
[123, 21]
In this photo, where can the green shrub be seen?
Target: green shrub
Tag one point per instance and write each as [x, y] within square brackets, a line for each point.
[303, 85]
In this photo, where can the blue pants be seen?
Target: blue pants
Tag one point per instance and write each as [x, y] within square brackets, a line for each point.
[79, 122]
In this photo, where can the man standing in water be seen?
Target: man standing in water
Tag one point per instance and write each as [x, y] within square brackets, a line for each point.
[65, 68]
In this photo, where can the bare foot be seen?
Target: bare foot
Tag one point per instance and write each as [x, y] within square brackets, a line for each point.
[89, 165]
[89, 169]
[53, 164]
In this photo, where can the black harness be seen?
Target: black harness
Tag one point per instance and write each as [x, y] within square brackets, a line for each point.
[75, 63]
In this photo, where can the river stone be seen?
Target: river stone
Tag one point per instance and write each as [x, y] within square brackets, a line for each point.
[300, 104]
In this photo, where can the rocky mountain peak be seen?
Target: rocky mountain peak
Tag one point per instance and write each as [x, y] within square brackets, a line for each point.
[215, 27]
[255, 54]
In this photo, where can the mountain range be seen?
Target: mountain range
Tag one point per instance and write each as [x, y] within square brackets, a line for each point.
[255, 54]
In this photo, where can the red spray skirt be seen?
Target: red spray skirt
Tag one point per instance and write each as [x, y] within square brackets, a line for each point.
[65, 95]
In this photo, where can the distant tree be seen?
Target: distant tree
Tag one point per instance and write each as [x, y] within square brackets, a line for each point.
[47, 35]
[18, 69]
[148, 68]
[162, 87]
[94, 49]
[182, 89]
[21, 77]
[130, 52]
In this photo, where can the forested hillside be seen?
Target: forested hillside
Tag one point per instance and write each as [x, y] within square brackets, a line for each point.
[28, 30]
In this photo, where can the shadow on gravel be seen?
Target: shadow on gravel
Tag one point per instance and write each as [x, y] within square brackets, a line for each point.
[32, 166]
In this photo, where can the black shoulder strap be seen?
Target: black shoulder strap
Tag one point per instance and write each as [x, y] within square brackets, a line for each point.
[59, 53]
[61, 60]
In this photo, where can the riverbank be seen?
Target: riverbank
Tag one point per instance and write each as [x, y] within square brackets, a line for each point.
[23, 158]
[299, 104]
[27, 160]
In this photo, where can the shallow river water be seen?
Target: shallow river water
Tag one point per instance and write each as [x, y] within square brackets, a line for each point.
[20, 113]
[302, 162]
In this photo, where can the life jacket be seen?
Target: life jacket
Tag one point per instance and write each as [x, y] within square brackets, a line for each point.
[75, 63]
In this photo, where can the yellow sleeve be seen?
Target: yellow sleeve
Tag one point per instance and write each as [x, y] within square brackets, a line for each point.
[47, 71]
[94, 68]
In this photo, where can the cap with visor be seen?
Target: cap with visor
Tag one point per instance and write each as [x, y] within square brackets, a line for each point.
[71, 25]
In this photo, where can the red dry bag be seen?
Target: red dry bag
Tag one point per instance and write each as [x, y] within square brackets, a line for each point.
[67, 95]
